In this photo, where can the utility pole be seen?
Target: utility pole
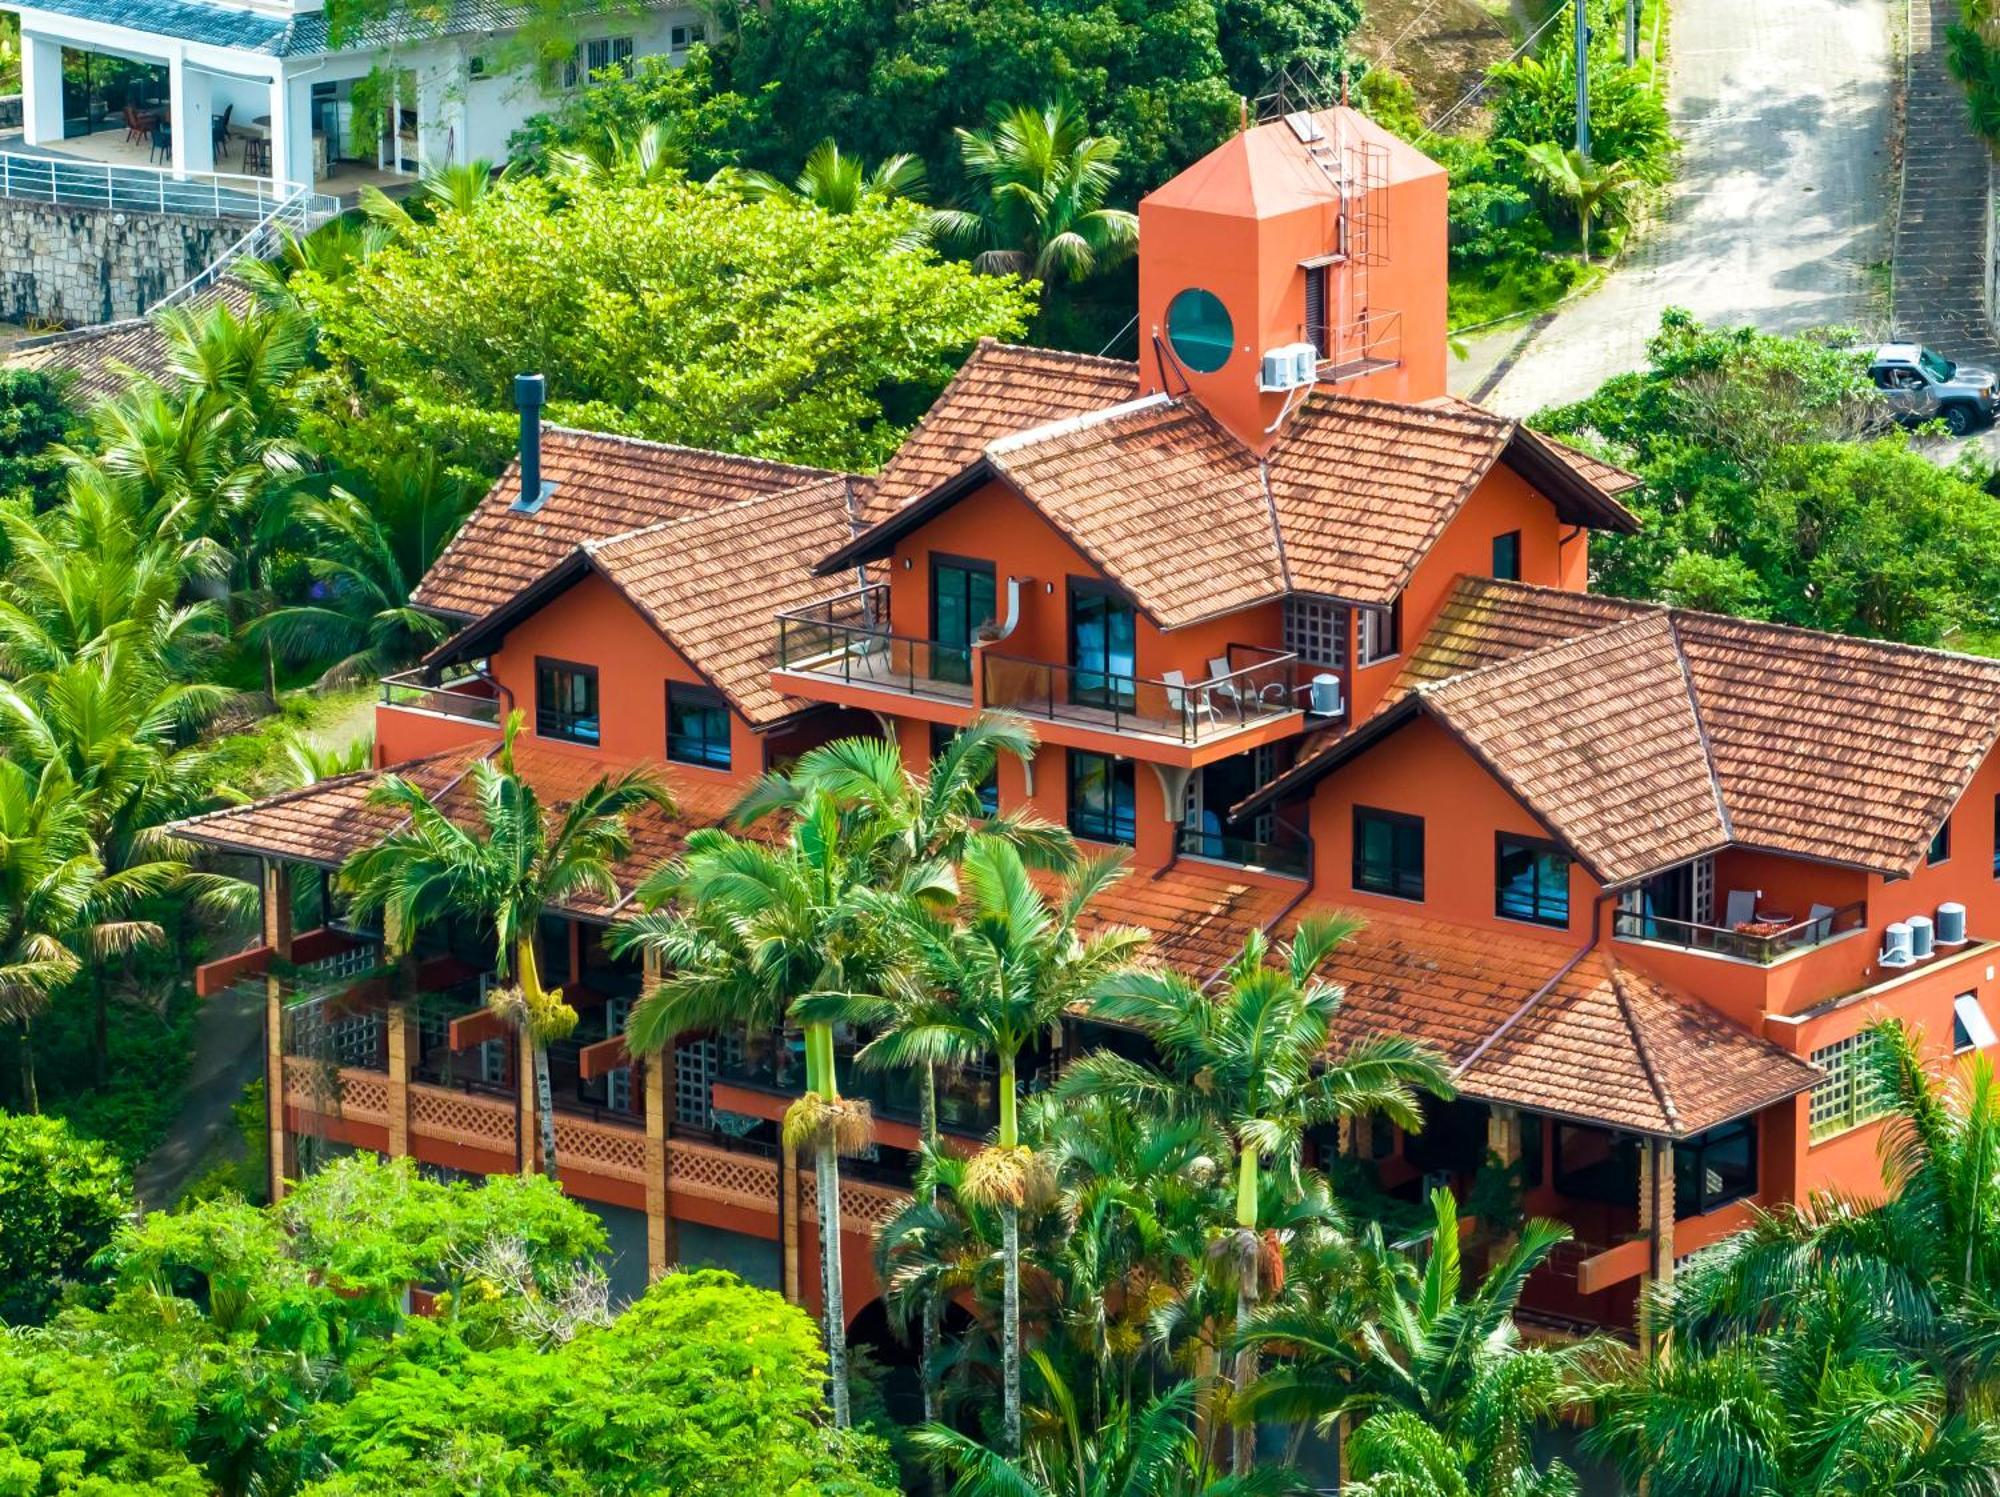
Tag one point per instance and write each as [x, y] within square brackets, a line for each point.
[1582, 81]
[1631, 32]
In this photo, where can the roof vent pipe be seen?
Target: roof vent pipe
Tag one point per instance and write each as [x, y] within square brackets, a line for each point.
[530, 391]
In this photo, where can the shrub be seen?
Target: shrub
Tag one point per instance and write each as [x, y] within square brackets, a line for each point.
[61, 1198]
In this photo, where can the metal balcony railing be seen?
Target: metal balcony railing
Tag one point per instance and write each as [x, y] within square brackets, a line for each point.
[847, 639]
[467, 698]
[1760, 941]
[1259, 686]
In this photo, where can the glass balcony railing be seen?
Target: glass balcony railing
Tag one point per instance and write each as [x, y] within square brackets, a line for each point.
[1763, 940]
[1281, 848]
[469, 698]
[1250, 685]
[847, 639]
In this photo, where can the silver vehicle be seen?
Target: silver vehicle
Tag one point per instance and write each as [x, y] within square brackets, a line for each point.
[1921, 384]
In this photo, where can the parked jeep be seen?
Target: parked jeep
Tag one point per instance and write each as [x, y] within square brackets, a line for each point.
[1923, 385]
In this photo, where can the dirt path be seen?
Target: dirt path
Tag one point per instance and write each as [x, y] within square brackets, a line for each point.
[1781, 208]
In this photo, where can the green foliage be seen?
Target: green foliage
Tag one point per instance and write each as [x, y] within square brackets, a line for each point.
[1767, 495]
[35, 416]
[1973, 56]
[704, 127]
[61, 1197]
[146, 1065]
[677, 312]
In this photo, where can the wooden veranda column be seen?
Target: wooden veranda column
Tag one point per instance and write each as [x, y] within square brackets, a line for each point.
[400, 1025]
[657, 1073]
[277, 900]
[1656, 1222]
[788, 1217]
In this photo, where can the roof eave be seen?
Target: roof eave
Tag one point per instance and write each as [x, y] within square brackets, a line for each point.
[1576, 499]
[878, 542]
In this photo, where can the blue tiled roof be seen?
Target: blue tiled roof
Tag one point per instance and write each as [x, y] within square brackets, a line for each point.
[186, 20]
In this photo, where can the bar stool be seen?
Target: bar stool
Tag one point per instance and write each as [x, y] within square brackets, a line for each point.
[257, 156]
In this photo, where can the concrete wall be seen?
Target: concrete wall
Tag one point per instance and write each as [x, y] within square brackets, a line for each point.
[86, 265]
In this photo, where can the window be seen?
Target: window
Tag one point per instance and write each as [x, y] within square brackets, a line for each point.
[1852, 1093]
[1388, 853]
[697, 726]
[1318, 332]
[1530, 881]
[1507, 556]
[593, 57]
[1996, 836]
[989, 789]
[1316, 632]
[1714, 1168]
[961, 602]
[1101, 806]
[566, 701]
[1200, 331]
[680, 38]
[1970, 1028]
[1103, 647]
[1940, 847]
[1380, 633]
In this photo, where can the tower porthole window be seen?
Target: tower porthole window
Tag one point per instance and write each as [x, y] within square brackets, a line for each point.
[1200, 331]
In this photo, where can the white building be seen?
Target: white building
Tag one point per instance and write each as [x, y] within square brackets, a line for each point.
[287, 93]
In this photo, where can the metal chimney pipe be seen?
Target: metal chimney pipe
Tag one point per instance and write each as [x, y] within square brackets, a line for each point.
[530, 391]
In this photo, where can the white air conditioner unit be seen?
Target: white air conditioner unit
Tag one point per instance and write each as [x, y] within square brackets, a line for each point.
[1291, 366]
[1923, 944]
[1951, 924]
[1897, 945]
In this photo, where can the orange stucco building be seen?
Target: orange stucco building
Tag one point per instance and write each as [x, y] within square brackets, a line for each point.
[1302, 632]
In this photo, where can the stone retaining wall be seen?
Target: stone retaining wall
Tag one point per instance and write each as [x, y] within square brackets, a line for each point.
[72, 266]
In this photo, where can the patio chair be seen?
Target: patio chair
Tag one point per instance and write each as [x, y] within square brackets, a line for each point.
[1740, 908]
[222, 134]
[138, 125]
[1819, 924]
[1183, 703]
[163, 143]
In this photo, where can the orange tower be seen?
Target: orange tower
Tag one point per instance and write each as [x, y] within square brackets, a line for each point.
[1309, 250]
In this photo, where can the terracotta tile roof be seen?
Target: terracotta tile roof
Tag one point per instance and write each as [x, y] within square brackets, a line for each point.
[1001, 389]
[1199, 913]
[1598, 737]
[1364, 487]
[604, 486]
[1609, 477]
[1839, 748]
[326, 823]
[95, 359]
[1597, 1042]
[1819, 745]
[1162, 498]
[1484, 621]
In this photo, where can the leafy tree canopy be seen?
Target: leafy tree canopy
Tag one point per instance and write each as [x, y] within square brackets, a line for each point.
[1773, 490]
[674, 311]
[34, 418]
[61, 1197]
[705, 126]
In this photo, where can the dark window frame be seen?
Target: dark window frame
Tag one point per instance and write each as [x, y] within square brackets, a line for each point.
[1940, 849]
[1511, 539]
[545, 715]
[1319, 329]
[1396, 885]
[1092, 829]
[1502, 841]
[704, 699]
[951, 665]
[1105, 695]
[1695, 1150]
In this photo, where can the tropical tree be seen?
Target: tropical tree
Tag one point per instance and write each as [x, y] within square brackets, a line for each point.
[1595, 188]
[46, 871]
[746, 932]
[649, 155]
[1000, 978]
[442, 187]
[508, 869]
[835, 182]
[1252, 1054]
[1046, 180]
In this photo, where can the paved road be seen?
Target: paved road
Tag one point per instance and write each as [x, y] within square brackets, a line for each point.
[1941, 237]
[1781, 205]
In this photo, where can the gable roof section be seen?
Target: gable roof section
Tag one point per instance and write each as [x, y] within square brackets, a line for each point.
[1844, 749]
[1850, 751]
[93, 359]
[1001, 389]
[1576, 1034]
[1605, 476]
[604, 486]
[709, 584]
[1167, 503]
[1598, 737]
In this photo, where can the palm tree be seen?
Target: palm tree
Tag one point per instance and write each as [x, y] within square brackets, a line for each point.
[1251, 1053]
[1001, 978]
[1595, 188]
[918, 822]
[442, 187]
[46, 871]
[506, 871]
[646, 159]
[837, 183]
[1045, 179]
[1420, 1345]
[755, 930]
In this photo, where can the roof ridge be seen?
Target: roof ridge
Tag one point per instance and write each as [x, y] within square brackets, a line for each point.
[1834, 636]
[1436, 405]
[1701, 728]
[1083, 421]
[728, 507]
[1277, 527]
[1067, 355]
[655, 445]
[1645, 1051]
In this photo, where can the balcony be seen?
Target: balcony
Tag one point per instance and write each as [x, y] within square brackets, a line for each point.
[1281, 848]
[967, 1096]
[465, 698]
[1763, 941]
[847, 639]
[1258, 686]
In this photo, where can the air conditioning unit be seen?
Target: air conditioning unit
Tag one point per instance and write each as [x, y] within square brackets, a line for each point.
[1951, 924]
[1923, 944]
[1291, 366]
[1897, 946]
